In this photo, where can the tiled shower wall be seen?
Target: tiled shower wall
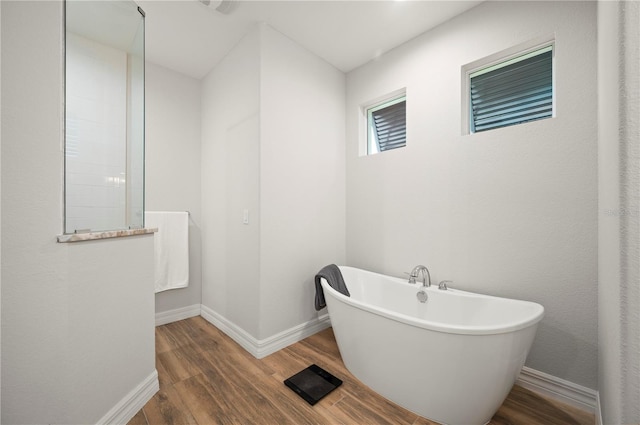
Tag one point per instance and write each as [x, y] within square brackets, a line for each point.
[96, 126]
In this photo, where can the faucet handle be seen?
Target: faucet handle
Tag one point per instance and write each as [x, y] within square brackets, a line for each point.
[443, 284]
[412, 277]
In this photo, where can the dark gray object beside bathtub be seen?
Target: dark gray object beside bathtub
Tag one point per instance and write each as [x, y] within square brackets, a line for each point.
[332, 275]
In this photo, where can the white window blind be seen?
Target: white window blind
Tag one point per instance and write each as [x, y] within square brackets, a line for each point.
[512, 92]
[388, 125]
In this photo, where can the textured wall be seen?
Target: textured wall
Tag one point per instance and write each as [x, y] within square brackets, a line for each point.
[619, 211]
[302, 194]
[273, 137]
[172, 170]
[231, 183]
[77, 319]
[509, 212]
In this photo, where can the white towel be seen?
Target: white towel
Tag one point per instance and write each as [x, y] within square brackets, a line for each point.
[171, 248]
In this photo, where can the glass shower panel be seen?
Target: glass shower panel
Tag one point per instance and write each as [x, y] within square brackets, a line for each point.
[104, 116]
[135, 136]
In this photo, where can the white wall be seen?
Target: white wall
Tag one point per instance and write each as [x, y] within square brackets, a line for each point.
[619, 211]
[510, 212]
[302, 174]
[273, 134]
[77, 319]
[172, 152]
[230, 183]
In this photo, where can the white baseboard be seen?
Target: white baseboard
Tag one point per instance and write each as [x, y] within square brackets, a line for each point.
[558, 389]
[292, 335]
[232, 330]
[170, 316]
[260, 348]
[598, 409]
[127, 408]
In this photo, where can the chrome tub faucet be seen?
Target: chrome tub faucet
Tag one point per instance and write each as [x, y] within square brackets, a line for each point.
[426, 276]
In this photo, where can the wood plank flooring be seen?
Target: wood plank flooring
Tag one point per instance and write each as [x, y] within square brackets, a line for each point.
[208, 379]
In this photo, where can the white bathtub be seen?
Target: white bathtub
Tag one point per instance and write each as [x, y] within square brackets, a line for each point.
[452, 359]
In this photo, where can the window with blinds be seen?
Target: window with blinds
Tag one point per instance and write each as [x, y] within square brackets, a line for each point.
[387, 123]
[512, 92]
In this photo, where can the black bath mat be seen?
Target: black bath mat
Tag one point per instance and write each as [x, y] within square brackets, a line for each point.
[313, 383]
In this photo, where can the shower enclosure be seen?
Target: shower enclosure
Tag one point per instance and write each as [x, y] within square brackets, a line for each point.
[104, 116]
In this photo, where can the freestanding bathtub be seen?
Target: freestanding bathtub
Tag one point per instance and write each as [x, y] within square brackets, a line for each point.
[452, 359]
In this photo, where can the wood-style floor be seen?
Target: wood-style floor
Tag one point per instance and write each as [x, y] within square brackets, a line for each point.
[206, 379]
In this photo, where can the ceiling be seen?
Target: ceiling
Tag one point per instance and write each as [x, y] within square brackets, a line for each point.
[95, 21]
[191, 38]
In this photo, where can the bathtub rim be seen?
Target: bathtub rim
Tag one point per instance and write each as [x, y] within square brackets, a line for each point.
[535, 318]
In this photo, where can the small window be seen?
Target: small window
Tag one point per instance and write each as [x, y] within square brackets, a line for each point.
[512, 92]
[387, 125]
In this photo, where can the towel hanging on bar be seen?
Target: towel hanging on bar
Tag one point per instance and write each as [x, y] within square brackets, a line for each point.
[171, 248]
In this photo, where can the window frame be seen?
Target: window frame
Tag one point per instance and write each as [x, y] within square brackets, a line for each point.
[497, 61]
[368, 142]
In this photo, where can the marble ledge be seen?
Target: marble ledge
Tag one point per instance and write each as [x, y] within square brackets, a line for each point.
[94, 236]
